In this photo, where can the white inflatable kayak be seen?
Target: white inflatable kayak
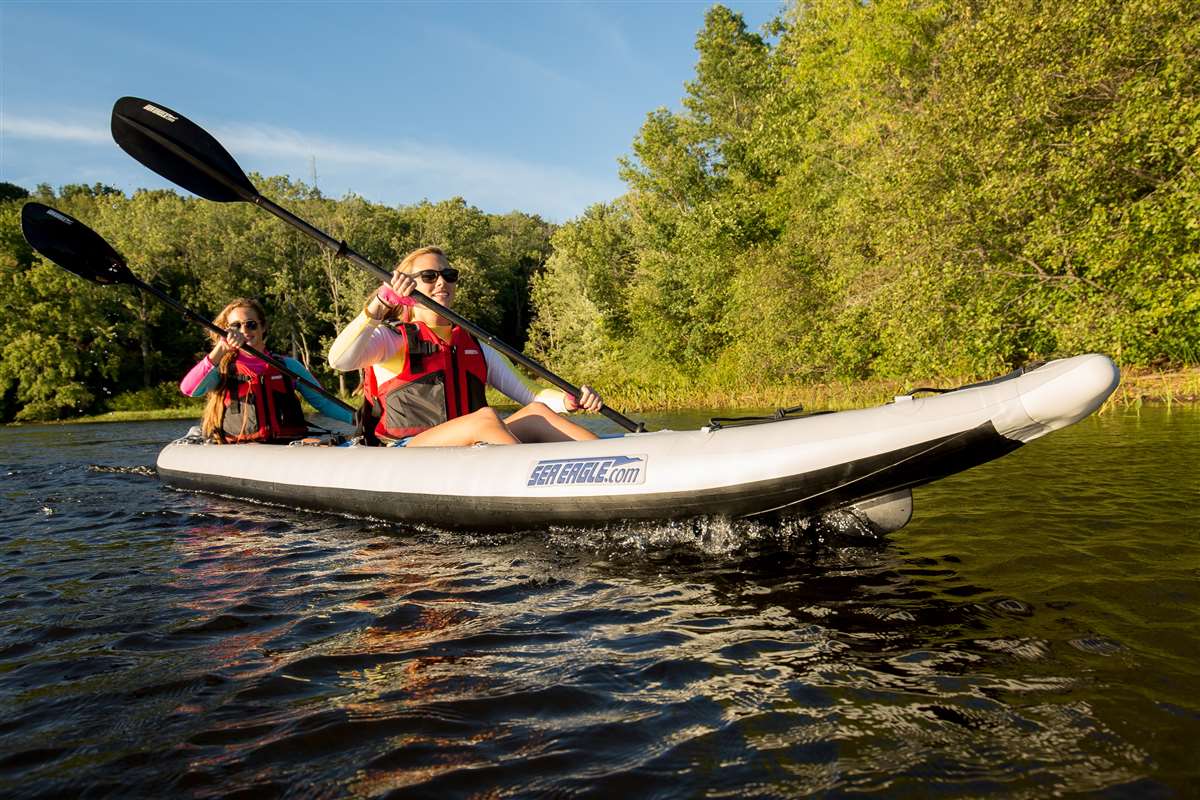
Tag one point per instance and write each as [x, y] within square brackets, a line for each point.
[868, 459]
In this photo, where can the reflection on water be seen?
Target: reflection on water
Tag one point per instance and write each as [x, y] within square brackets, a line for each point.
[1033, 631]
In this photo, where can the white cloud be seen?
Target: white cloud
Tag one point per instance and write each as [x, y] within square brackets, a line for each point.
[504, 61]
[601, 24]
[27, 128]
[490, 181]
[282, 143]
[399, 172]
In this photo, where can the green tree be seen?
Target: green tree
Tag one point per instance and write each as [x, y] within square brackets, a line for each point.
[10, 191]
[58, 350]
[581, 296]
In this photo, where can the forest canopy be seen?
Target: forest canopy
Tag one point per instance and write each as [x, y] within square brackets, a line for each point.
[863, 189]
[69, 346]
[899, 188]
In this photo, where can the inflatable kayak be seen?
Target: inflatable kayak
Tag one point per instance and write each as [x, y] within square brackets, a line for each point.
[866, 459]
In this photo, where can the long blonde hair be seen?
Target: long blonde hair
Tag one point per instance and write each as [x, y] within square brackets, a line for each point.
[214, 408]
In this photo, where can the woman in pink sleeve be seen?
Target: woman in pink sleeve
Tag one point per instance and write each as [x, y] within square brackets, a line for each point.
[249, 400]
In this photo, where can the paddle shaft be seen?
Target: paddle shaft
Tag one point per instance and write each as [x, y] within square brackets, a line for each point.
[343, 251]
[267, 357]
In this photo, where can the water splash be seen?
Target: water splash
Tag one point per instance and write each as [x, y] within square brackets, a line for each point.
[144, 470]
[717, 536]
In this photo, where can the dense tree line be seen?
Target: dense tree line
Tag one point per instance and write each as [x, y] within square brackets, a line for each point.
[68, 347]
[867, 189]
[899, 188]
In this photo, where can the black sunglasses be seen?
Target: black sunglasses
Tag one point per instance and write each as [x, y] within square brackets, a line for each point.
[449, 275]
[249, 325]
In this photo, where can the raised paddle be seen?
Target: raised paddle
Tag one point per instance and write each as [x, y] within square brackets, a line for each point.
[81, 251]
[181, 151]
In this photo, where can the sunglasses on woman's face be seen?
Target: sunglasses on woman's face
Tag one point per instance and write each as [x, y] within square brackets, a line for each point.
[249, 325]
[449, 275]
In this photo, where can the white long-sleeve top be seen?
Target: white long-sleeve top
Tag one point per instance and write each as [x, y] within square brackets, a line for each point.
[368, 342]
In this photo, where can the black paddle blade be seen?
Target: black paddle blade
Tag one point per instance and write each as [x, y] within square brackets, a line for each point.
[179, 150]
[72, 245]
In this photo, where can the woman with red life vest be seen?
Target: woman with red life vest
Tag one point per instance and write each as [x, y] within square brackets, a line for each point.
[425, 379]
[248, 399]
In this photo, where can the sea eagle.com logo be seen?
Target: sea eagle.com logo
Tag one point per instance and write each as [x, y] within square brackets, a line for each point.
[599, 470]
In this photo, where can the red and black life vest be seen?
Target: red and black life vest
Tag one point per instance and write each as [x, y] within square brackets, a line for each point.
[440, 381]
[262, 407]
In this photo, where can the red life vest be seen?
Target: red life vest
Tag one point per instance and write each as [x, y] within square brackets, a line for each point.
[440, 381]
[262, 407]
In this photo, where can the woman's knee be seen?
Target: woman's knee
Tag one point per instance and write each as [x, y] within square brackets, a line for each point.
[485, 414]
[541, 409]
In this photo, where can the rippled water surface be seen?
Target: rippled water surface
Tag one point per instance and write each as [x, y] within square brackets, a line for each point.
[1034, 631]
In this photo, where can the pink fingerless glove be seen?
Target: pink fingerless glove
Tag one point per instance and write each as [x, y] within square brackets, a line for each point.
[392, 299]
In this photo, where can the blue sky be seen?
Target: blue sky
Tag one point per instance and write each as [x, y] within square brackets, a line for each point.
[511, 105]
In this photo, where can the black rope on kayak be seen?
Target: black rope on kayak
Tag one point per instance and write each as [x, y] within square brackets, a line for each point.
[321, 436]
[324, 435]
[795, 412]
[1019, 371]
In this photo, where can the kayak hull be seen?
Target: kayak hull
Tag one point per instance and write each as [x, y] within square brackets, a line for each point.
[801, 466]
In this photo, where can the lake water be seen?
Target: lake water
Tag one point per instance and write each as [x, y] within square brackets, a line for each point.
[1034, 631]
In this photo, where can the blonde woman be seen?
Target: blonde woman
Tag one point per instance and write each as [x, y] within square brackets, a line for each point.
[248, 399]
[424, 378]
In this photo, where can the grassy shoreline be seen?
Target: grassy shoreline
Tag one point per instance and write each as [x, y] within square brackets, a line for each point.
[1138, 387]
[146, 415]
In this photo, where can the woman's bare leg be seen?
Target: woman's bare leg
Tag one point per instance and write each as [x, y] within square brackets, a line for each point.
[537, 422]
[479, 426]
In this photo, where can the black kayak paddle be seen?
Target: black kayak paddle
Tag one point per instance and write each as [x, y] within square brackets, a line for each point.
[81, 251]
[184, 153]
